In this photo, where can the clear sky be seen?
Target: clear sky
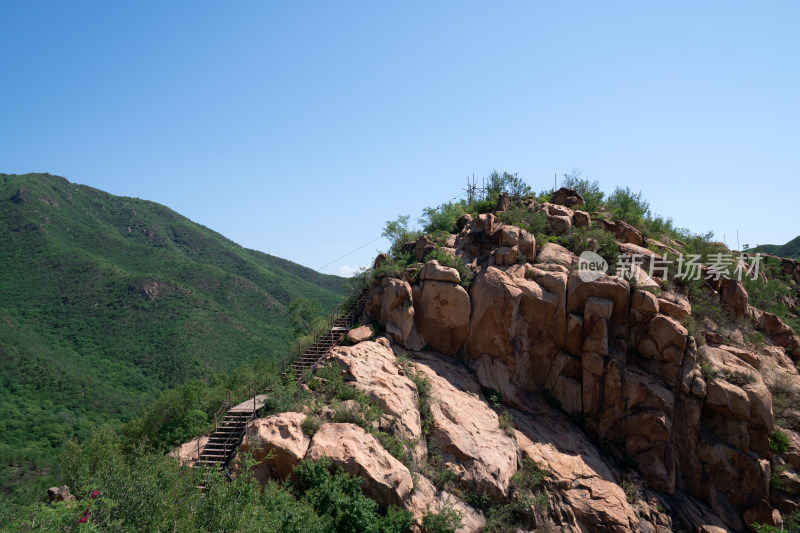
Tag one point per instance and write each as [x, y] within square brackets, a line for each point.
[299, 128]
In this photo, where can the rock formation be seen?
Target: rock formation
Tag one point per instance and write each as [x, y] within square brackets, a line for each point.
[639, 425]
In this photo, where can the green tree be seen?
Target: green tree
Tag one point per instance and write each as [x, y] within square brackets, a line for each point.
[397, 230]
[629, 206]
[590, 190]
[506, 182]
[303, 312]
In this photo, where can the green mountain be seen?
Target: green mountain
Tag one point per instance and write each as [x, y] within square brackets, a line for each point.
[105, 301]
[790, 249]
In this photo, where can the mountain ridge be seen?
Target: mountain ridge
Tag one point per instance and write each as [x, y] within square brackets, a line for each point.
[107, 300]
[791, 249]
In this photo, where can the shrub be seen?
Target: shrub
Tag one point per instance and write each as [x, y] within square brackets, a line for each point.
[505, 182]
[590, 190]
[482, 500]
[532, 221]
[632, 485]
[708, 372]
[397, 231]
[629, 207]
[530, 476]
[456, 262]
[447, 520]
[738, 378]
[311, 425]
[778, 441]
[594, 239]
[442, 218]
[506, 423]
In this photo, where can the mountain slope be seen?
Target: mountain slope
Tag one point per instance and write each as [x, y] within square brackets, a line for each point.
[790, 249]
[105, 300]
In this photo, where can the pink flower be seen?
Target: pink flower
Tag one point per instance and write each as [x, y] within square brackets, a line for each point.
[85, 517]
[95, 494]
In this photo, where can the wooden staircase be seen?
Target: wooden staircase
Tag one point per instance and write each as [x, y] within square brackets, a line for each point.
[338, 326]
[230, 422]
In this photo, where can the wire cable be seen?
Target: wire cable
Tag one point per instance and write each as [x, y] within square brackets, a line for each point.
[350, 253]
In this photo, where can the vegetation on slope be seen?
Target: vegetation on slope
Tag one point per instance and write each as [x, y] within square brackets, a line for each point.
[105, 301]
[790, 249]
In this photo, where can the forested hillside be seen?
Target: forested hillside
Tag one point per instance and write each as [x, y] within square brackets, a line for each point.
[105, 301]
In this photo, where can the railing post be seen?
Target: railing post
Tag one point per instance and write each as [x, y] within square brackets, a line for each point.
[215, 422]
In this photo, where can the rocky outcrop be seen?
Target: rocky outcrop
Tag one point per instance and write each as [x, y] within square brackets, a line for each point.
[360, 454]
[188, 452]
[426, 498]
[59, 494]
[442, 313]
[588, 491]
[567, 197]
[277, 443]
[622, 231]
[373, 369]
[466, 430]
[391, 305]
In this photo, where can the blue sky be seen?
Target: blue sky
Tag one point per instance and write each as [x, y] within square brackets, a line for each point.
[299, 128]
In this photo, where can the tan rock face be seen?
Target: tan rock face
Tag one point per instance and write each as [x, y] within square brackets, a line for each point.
[592, 498]
[674, 305]
[505, 256]
[442, 315]
[360, 334]
[358, 453]
[280, 436]
[561, 225]
[433, 271]
[623, 231]
[557, 254]
[582, 219]
[373, 368]
[427, 498]
[394, 299]
[187, 452]
[467, 431]
[734, 295]
[568, 197]
[495, 303]
[779, 333]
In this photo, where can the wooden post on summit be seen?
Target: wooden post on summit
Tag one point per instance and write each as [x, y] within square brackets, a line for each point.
[215, 422]
[230, 398]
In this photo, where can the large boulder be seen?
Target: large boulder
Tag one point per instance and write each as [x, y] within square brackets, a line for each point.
[397, 314]
[433, 271]
[556, 254]
[383, 478]
[361, 334]
[59, 494]
[467, 430]
[674, 305]
[373, 368]
[734, 295]
[622, 231]
[188, 452]
[277, 442]
[442, 315]
[611, 287]
[495, 304]
[567, 197]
